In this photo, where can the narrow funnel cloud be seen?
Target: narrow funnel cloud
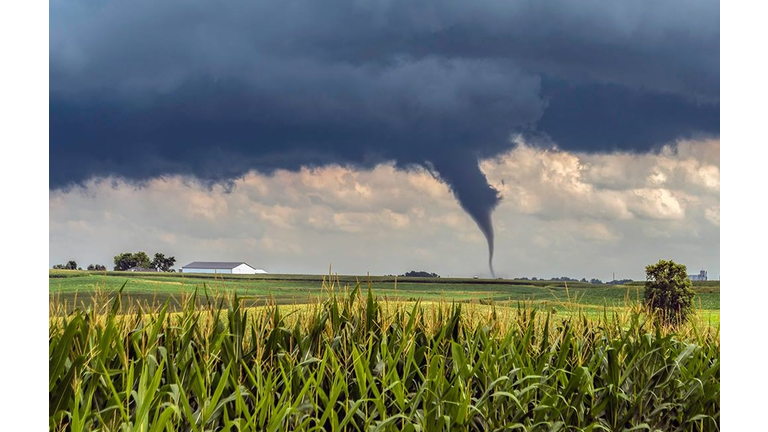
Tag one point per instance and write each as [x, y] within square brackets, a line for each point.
[461, 172]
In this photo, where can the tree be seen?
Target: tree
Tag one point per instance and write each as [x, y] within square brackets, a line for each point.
[70, 265]
[123, 261]
[161, 263]
[98, 267]
[619, 282]
[142, 260]
[414, 273]
[126, 260]
[668, 294]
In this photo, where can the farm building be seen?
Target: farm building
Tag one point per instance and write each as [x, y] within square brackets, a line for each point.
[140, 269]
[220, 268]
[702, 276]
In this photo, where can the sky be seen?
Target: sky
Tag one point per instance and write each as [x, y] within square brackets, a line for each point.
[32, 187]
[577, 139]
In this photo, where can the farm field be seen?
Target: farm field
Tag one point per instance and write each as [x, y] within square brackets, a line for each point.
[355, 361]
[70, 287]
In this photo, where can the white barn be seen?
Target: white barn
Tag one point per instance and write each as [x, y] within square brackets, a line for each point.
[220, 268]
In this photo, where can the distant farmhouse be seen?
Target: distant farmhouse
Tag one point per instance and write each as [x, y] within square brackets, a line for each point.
[702, 276]
[220, 268]
[140, 269]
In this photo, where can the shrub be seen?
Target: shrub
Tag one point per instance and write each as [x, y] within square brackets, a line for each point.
[668, 293]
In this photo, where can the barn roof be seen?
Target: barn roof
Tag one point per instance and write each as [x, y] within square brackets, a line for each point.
[215, 264]
[141, 269]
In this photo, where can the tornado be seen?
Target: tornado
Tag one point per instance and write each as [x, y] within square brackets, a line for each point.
[461, 172]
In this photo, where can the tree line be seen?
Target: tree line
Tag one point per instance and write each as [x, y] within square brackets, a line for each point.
[72, 265]
[160, 262]
[414, 273]
[128, 260]
[584, 280]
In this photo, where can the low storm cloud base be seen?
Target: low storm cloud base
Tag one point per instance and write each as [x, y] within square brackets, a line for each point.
[563, 214]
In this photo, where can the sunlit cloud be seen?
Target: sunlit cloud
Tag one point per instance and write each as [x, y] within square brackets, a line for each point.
[556, 206]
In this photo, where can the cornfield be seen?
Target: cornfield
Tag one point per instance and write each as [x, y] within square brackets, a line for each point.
[355, 362]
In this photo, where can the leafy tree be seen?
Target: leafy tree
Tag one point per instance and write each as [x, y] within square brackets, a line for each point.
[619, 282]
[126, 260]
[668, 293]
[595, 281]
[563, 279]
[98, 267]
[70, 265]
[142, 260]
[161, 263]
[414, 273]
[123, 261]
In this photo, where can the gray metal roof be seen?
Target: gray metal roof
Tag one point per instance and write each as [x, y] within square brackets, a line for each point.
[215, 264]
[141, 269]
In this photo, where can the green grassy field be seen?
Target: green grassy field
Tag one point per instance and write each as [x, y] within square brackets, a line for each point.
[72, 288]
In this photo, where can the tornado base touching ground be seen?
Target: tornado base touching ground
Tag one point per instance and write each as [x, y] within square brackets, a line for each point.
[461, 172]
[490, 255]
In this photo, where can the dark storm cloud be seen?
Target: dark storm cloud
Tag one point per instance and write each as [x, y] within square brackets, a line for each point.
[410, 112]
[145, 88]
[215, 88]
[607, 117]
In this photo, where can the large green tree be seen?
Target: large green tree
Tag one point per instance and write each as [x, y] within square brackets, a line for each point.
[668, 294]
[163, 263]
[126, 260]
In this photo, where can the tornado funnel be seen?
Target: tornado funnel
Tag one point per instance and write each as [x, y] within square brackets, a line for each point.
[460, 170]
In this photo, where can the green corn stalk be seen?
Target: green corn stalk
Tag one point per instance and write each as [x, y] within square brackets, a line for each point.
[354, 362]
